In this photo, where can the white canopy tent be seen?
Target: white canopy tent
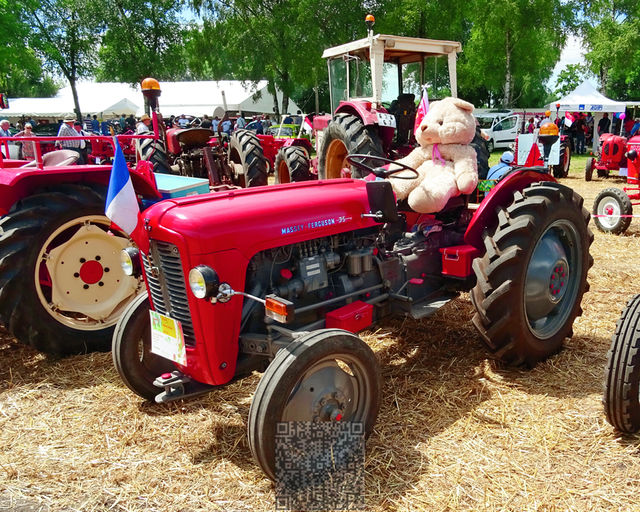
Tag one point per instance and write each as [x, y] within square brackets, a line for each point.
[110, 99]
[585, 98]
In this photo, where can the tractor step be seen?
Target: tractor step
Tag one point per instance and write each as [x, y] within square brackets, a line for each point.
[430, 306]
[177, 385]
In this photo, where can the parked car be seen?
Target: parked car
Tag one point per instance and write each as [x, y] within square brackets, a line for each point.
[501, 128]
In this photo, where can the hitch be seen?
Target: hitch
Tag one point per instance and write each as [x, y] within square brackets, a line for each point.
[178, 385]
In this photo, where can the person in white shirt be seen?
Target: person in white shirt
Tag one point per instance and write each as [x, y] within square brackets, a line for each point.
[67, 130]
[144, 126]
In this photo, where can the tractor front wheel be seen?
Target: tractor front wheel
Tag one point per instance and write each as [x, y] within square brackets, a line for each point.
[62, 289]
[246, 159]
[612, 210]
[154, 151]
[292, 164]
[325, 376]
[588, 169]
[131, 350]
[345, 135]
[531, 280]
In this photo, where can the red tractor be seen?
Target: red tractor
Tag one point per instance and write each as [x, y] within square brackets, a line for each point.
[278, 279]
[612, 156]
[613, 207]
[61, 286]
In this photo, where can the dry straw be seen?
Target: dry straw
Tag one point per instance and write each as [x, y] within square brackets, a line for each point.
[456, 430]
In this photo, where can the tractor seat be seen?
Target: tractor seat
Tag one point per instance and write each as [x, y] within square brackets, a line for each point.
[57, 158]
[405, 112]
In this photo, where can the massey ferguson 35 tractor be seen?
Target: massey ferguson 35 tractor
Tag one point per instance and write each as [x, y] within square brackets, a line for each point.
[278, 279]
[61, 286]
[613, 208]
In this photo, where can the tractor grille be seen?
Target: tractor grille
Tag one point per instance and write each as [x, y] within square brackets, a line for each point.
[163, 269]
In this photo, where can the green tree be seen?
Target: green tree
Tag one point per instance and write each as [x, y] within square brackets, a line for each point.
[512, 48]
[611, 32]
[22, 73]
[63, 34]
[570, 78]
[142, 38]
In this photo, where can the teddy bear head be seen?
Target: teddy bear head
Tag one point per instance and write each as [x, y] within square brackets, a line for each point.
[448, 121]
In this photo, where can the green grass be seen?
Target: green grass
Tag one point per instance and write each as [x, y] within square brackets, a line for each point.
[578, 162]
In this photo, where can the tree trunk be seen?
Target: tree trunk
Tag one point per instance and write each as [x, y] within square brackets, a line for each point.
[74, 91]
[276, 109]
[285, 103]
[508, 85]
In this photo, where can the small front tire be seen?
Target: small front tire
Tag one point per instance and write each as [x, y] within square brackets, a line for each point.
[612, 210]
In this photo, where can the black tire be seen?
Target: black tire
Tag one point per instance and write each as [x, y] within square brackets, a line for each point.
[292, 165]
[588, 169]
[345, 135]
[42, 233]
[131, 351]
[541, 237]
[274, 402]
[614, 202]
[154, 151]
[622, 373]
[562, 169]
[247, 159]
[482, 154]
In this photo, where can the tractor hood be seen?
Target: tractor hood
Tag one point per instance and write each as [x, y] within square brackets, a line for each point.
[254, 219]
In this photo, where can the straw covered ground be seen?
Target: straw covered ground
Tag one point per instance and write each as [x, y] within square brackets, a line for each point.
[456, 430]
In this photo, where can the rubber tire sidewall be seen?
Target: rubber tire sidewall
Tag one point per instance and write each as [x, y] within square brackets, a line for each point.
[296, 161]
[249, 152]
[622, 373]
[498, 295]
[283, 373]
[626, 208]
[588, 169]
[134, 324]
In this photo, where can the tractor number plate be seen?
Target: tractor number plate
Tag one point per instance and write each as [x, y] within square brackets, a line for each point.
[386, 120]
[167, 339]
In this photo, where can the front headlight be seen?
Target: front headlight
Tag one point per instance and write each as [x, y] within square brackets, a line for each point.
[130, 261]
[203, 281]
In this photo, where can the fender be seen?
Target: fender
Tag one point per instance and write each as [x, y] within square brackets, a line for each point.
[18, 182]
[303, 143]
[501, 196]
[363, 110]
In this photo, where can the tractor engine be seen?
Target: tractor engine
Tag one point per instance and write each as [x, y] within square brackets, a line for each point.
[370, 265]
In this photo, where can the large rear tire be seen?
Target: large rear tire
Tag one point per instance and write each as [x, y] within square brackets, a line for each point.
[345, 135]
[588, 169]
[562, 169]
[131, 350]
[622, 374]
[62, 289]
[154, 152]
[327, 375]
[616, 204]
[247, 159]
[531, 280]
[292, 165]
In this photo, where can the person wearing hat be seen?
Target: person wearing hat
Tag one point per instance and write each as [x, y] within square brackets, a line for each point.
[143, 125]
[67, 130]
[499, 170]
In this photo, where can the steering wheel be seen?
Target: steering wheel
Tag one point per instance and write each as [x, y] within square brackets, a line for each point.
[379, 171]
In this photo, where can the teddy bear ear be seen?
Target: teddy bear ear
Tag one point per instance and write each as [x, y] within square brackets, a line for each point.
[464, 105]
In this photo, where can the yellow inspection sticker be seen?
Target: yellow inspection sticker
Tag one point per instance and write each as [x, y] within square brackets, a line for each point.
[167, 339]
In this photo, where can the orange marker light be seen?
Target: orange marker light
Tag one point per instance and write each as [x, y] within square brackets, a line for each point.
[281, 310]
[548, 128]
[370, 18]
[150, 84]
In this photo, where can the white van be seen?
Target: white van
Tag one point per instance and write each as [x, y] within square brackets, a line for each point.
[500, 128]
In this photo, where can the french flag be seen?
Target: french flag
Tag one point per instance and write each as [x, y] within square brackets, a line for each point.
[122, 203]
[423, 108]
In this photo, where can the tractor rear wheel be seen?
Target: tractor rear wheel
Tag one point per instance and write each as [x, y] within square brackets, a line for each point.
[588, 169]
[247, 160]
[531, 280]
[345, 135]
[292, 164]
[622, 375]
[154, 152]
[327, 375]
[612, 209]
[62, 289]
[131, 350]
[562, 169]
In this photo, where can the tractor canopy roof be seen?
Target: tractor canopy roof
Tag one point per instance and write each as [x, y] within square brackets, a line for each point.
[397, 49]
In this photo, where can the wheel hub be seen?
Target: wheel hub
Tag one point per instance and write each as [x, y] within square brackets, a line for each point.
[91, 271]
[547, 277]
